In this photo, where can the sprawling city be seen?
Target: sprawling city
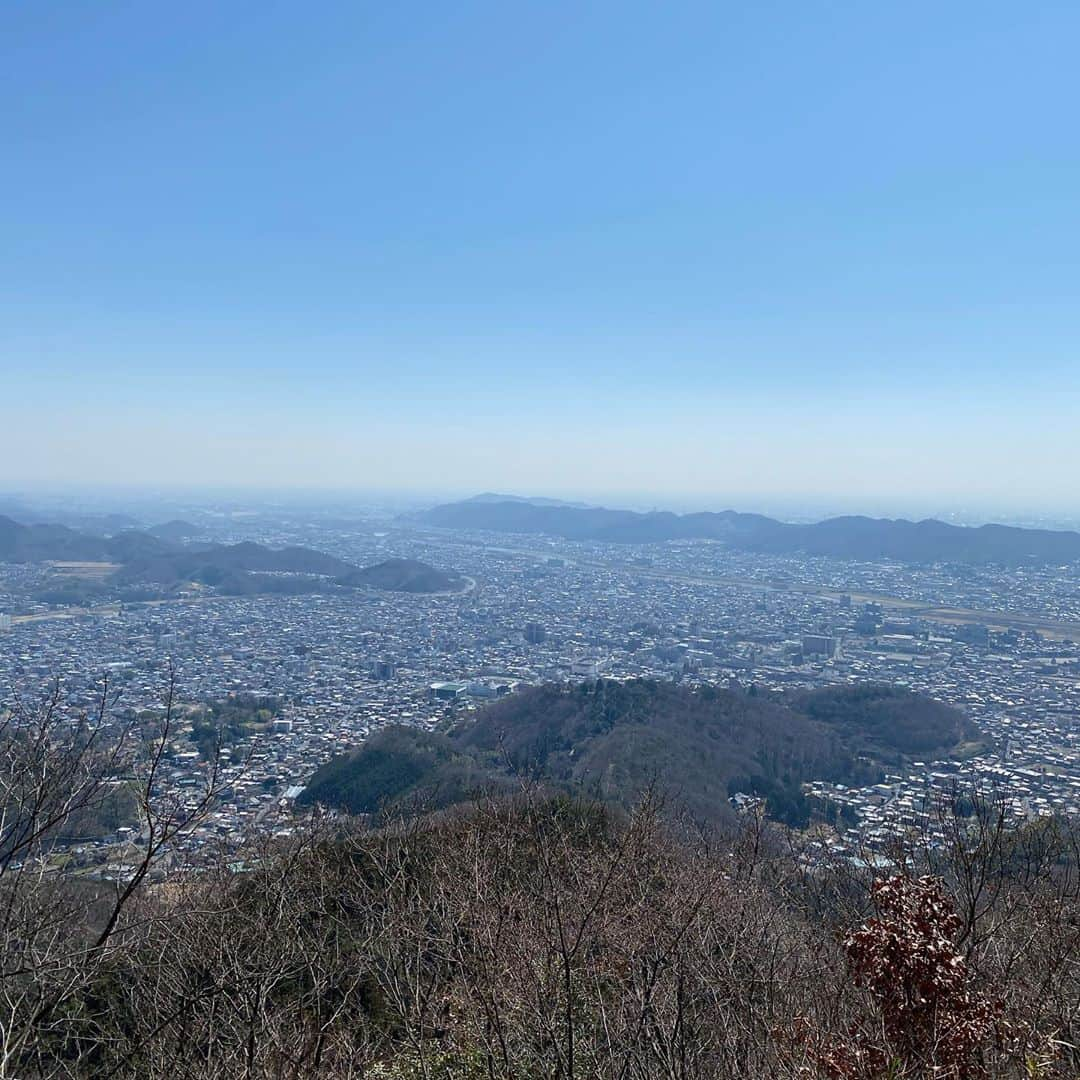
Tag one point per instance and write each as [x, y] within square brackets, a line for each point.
[1001, 644]
[539, 541]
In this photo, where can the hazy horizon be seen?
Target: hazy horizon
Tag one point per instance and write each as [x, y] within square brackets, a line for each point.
[767, 251]
[159, 502]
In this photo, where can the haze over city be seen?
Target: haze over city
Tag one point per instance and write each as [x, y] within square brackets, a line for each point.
[539, 540]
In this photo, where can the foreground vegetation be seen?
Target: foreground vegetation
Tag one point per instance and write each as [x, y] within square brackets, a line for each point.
[524, 935]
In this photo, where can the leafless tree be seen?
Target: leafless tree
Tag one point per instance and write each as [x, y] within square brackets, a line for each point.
[56, 930]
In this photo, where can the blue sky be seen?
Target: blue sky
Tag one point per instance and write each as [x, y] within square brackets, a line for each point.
[693, 248]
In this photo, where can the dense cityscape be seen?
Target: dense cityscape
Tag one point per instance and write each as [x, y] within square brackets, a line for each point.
[332, 668]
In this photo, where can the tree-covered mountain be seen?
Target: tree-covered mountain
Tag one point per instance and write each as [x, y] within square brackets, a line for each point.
[532, 500]
[887, 723]
[222, 561]
[42, 543]
[143, 559]
[612, 740]
[399, 763]
[851, 537]
[251, 568]
[403, 575]
[174, 530]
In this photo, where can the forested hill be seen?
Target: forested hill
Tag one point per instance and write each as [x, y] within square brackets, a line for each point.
[156, 558]
[850, 537]
[39, 542]
[613, 739]
[404, 575]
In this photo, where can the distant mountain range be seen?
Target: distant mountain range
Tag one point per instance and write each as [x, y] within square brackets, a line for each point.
[852, 537]
[529, 500]
[144, 559]
[228, 567]
[38, 542]
[611, 740]
[84, 520]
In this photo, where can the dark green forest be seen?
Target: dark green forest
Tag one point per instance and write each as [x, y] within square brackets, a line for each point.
[613, 740]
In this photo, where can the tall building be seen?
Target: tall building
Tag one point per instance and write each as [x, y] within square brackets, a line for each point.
[820, 645]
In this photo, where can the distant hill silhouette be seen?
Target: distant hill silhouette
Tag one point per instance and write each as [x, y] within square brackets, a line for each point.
[403, 575]
[243, 568]
[849, 537]
[148, 560]
[132, 545]
[234, 568]
[44, 543]
[530, 500]
[79, 520]
[176, 530]
[612, 739]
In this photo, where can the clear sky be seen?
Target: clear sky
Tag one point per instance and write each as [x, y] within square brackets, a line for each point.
[685, 247]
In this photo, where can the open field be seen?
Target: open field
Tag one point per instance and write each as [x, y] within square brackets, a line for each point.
[91, 571]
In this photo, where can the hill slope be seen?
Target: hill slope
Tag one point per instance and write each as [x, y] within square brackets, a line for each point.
[45, 543]
[175, 530]
[403, 575]
[611, 740]
[249, 567]
[146, 559]
[231, 567]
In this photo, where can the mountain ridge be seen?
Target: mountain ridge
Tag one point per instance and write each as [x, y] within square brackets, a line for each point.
[848, 536]
[403, 575]
[142, 559]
